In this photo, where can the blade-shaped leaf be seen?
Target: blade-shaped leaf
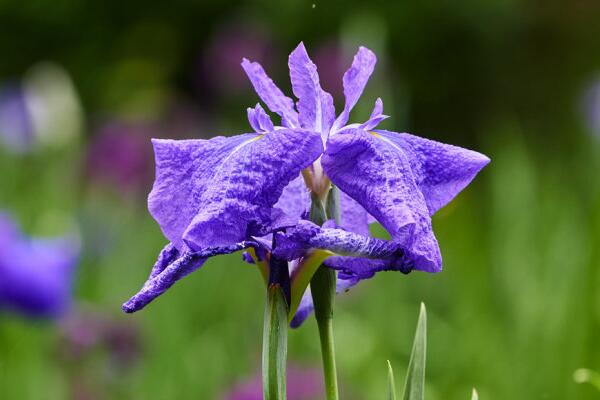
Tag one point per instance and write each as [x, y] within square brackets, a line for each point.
[274, 344]
[414, 388]
[474, 395]
[391, 383]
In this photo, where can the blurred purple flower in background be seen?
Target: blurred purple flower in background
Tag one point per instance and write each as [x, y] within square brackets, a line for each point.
[229, 44]
[591, 107]
[302, 384]
[87, 329]
[35, 273]
[42, 110]
[16, 129]
[120, 155]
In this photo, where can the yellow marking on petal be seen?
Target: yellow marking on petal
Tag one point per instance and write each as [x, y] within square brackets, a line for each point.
[377, 135]
[303, 275]
[262, 265]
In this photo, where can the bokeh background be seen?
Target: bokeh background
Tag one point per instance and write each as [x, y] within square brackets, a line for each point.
[84, 85]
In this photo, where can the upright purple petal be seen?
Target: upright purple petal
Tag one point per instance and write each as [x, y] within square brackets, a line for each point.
[315, 106]
[378, 176]
[271, 94]
[441, 170]
[355, 80]
[259, 119]
[376, 117]
[219, 191]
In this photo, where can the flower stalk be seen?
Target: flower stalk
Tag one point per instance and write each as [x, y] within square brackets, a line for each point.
[323, 289]
[275, 332]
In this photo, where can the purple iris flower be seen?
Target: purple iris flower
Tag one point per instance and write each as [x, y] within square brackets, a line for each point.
[254, 190]
[35, 274]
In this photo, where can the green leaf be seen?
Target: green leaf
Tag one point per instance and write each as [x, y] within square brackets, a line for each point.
[391, 383]
[474, 395]
[274, 344]
[414, 388]
[302, 277]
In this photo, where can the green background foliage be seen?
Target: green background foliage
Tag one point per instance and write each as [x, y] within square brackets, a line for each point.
[516, 309]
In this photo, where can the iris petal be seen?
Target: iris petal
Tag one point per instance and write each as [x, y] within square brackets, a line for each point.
[259, 119]
[219, 191]
[172, 265]
[273, 97]
[440, 170]
[354, 81]
[379, 177]
[315, 106]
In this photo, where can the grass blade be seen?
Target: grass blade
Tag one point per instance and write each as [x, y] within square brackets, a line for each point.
[391, 383]
[414, 388]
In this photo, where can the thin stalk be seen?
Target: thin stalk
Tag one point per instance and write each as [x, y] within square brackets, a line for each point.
[323, 289]
[323, 294]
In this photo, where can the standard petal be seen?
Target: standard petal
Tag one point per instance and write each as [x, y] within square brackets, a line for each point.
[259, 119]
[355, 80]
[440, 170]
[271, 94]
[170, 267]
[315, 106]
[219, 191]
[378, 176]
[376, 117]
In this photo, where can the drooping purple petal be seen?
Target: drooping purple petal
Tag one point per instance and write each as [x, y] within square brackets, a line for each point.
[441, 170]
[35, 274]
[259, 119]
[355, 80]
[315, 106]
[376, 116]
[173, 265]
[378, 176]
[297, 240]
[219, 191]
[271, 94]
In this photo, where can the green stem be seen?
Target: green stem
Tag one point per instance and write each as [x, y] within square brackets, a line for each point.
[323, 294]
[323, 289]
[274, 344]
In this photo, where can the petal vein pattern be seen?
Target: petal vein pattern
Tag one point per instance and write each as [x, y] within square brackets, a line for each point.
[271, 94]
[315, 106]
[219, 191]
[378, 176]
